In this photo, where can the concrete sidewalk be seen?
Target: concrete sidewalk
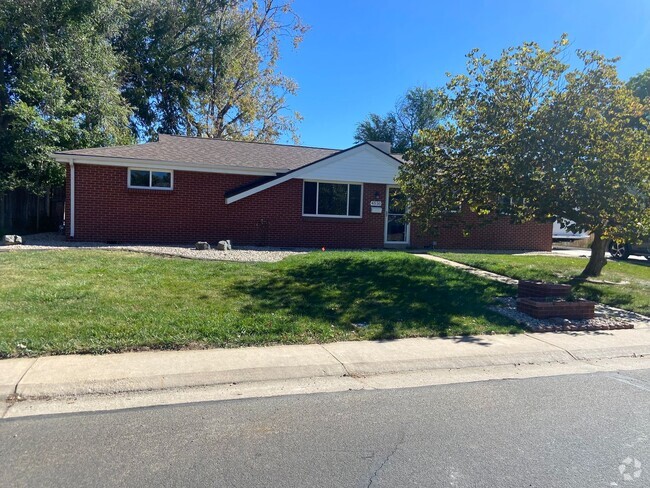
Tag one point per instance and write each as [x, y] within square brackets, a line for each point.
[78, 375]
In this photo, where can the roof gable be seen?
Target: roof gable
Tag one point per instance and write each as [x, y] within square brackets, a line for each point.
[363, 163]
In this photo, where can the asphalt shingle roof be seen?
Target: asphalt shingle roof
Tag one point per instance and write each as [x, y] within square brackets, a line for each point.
[181, 149]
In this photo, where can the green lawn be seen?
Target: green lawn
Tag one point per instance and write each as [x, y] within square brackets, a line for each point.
[60, 302]
[626, 284]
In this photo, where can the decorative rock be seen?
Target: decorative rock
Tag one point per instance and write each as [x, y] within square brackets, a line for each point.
[224, 246]
[202, 246]
[607, 318]
[11, 240]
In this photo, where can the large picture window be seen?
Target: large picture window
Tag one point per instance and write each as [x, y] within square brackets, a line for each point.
[144, 178]
[331, 199]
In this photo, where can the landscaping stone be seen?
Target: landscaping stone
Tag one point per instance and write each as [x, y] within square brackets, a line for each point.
[202, 246]
[11, 240]
[605, 318]
[56, 242]
[224, 246]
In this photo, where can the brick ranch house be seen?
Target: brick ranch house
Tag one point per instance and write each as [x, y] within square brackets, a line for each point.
[183, 189]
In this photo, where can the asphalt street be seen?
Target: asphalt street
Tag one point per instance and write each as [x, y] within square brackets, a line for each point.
[590, 430]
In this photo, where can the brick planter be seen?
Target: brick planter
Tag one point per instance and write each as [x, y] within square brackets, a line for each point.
[540, 308]
[541, 290]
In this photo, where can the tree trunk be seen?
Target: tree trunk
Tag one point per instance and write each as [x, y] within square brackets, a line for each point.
[597, 260]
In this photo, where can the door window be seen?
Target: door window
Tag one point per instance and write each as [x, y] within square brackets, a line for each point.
[396, 225]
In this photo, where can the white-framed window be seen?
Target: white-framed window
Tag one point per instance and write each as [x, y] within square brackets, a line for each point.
[506, 204]
[454, 209]
[332, 199]
[151, 179]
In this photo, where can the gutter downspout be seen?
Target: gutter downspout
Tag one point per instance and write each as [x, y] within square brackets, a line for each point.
[71, 198]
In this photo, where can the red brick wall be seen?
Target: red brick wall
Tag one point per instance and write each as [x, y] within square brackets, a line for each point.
[478, 233]
[106, 210]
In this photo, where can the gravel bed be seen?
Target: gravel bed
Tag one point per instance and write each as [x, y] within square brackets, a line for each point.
[54, 241]
[607, 318]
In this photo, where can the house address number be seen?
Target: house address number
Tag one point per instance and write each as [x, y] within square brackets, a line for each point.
[375, 203]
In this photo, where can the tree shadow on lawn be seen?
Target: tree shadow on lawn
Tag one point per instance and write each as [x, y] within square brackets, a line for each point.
[395, 296]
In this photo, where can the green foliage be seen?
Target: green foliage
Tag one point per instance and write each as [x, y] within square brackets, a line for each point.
[96, 301]
[58, 86]
[85, 73]
[640, 84]
[417, 110]
[561, 142]
[378, 128]
[208, 67]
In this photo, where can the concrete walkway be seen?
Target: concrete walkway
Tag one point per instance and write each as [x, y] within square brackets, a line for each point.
[475, 271]
[78, 375]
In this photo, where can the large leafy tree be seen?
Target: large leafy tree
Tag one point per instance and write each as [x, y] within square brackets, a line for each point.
[556, 141]
[417, 110]
[58, 86]
[83, 73]
[640, 84]
[209, 67]
[378, 128]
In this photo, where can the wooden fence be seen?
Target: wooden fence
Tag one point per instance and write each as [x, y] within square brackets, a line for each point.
[22, 212]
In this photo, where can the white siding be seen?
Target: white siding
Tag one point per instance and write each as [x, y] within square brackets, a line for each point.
[363, 164]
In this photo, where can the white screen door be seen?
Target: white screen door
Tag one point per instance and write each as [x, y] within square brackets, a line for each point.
[397, 229]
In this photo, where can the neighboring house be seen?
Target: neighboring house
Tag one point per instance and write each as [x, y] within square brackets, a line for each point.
[560, 232]
[182, 189]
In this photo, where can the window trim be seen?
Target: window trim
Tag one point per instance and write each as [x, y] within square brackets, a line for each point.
[151, 171]
[330, 216]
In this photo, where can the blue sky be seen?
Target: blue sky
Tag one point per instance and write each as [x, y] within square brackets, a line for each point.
[360, 56]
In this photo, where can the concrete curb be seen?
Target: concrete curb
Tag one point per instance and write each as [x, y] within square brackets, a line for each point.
[11, 372]
[78, 375]
[75, 375]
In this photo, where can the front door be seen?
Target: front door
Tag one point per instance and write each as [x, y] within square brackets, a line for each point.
[397, 229]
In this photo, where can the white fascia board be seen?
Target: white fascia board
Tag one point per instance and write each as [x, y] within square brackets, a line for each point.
[305, 170]
[167, 165]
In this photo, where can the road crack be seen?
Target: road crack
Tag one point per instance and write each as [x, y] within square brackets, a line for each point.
[374, 475]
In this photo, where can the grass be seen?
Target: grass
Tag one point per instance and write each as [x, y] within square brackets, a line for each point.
[624, 284]
[64, 302]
